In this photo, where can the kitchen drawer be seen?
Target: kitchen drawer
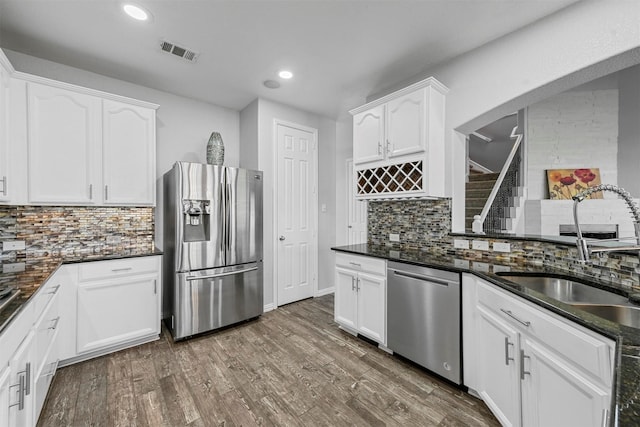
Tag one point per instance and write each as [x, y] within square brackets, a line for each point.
[118, 267]
[362, 263]
[46, 293]
[46, 331]
[15, 332]
[585, 348]
[43, 381]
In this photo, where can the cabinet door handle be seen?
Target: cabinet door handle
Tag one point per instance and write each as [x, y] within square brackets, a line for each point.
[510, 314]
[506, 351]
[388, 147]
[28, 378]
[355, 264]
[353, 283]
[55, 323]
[358, 284]
[21, 387]
[55, 289]
[605, 417]
[155, 286]
[379, 147]
[106, 192]
[90, 191]
[522, 371]
[4, 185]
[115, 270]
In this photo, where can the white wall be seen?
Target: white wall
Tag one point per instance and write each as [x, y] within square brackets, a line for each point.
[267, 111]
[584, 41]
[344, 151]
[575, 129]
[183, 124]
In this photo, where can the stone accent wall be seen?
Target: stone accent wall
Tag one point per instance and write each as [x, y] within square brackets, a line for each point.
[426, 224]
[76, 230]
[420, 223]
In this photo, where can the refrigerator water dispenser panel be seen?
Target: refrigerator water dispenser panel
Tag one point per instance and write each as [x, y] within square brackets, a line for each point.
[196, 220]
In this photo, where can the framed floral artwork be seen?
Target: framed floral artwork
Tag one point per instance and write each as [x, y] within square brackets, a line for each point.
[566, 183]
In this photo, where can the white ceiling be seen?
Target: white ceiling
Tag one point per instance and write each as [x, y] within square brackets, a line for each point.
[340, 51]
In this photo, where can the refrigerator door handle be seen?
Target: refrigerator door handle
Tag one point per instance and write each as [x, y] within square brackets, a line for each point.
[228, 219]
[213, 276]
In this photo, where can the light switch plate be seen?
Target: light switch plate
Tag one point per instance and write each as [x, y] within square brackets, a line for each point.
[480, 245]
[394, 237]
[460, 244]
[502, 247]
[13, 245]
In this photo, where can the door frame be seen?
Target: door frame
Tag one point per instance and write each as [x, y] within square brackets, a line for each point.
[313, 208]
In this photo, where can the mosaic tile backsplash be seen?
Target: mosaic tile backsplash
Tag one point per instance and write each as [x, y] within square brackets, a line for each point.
[426, 224]
[76, 230]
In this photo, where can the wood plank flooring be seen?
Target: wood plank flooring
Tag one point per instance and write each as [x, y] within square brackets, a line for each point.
[291, 367]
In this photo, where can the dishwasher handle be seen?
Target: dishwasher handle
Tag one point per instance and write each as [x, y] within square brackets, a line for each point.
[421, 277]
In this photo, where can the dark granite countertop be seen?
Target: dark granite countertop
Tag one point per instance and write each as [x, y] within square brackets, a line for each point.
[37, 271]
[627, 376]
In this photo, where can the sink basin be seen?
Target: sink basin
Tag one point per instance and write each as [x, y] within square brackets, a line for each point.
[566, 290]
[625, 315]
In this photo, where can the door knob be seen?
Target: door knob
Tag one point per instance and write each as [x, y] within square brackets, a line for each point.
[281, 238]
[349, 226]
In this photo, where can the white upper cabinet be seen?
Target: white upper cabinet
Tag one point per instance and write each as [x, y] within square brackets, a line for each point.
[128, 153]
[63, 134]
[62, 144]
[398, 143]
[5, 193]
[406, 124]
[368, 131]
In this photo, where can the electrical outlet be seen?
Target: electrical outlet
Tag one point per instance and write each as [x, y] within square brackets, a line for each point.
[502, 247]
[480, 245]
[113, 240]
[482, 267]
[460, 244]
[15, 267]
[394, 237]
[13, 245]
[461, 263]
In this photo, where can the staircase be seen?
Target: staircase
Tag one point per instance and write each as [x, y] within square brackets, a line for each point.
[477, 192]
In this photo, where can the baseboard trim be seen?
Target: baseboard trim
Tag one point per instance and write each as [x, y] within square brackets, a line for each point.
[325, 291]
[269, 307]
[108, 350]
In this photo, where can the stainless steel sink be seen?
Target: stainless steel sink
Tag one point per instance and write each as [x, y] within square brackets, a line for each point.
[623, 314]
[566, 290]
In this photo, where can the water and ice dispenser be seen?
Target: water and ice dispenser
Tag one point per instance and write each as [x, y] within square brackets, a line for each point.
[196, 220]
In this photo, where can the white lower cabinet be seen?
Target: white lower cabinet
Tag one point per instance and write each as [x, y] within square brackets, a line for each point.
[360, 297]
[21, 392]
[118, 302]
[530, 366]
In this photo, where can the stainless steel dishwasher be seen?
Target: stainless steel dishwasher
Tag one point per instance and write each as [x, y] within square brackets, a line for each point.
[423, 317]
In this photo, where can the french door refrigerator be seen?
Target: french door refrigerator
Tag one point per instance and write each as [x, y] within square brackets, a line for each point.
[213, 273]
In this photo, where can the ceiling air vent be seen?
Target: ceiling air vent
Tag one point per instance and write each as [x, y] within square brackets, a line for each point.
[179, 51]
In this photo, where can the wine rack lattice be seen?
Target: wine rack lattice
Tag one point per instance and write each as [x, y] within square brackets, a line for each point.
[391, 179]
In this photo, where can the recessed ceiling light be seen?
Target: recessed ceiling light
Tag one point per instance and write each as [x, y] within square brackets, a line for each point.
[136, 12]
[271, 84]
[284, 74]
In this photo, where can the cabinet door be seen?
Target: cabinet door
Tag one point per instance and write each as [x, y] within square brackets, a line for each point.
[63, 136]
[115, 311]
[368, 136]
[345, 303]
[21, 385]
[5, 395]
[4, 136]
[555, 394]
[372, 296]
[497, 362]
[128, 149]
[406, 124]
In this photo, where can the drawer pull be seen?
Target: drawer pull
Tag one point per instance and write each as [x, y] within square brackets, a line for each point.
[55, 323]
[506, 351]
[115, 270]
[510, 314]
[55, 289]
[21, 388]
[355, 264]
[353, 283]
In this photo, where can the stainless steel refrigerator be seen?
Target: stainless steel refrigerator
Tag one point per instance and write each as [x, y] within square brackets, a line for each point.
[213, 273]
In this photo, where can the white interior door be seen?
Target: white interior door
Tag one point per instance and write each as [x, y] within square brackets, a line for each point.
[296, 211]
[357, 222]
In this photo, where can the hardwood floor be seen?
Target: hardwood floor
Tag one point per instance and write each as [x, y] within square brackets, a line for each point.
[292, 367]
